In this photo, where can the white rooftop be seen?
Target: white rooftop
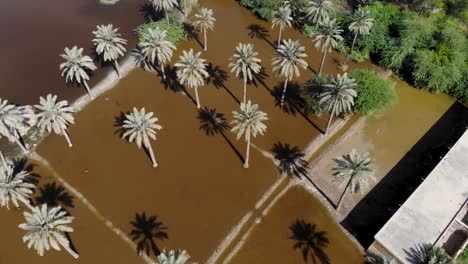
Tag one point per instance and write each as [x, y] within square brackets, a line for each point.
[431, 207]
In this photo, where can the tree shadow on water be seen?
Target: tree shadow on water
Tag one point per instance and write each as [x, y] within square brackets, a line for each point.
[119, 122]
[171, 82]
[145, 231]
[54, 195]
[259, 32]
[150, 14]
[310, 241]
[192, 33]
[22, 164]
[218, 76]
[213, 123]
[140, 59]
[291, 160]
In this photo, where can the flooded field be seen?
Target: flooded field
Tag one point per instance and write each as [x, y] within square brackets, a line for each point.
[34, 34]
[295, 218]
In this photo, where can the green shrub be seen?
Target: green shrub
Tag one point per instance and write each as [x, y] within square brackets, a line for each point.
[175, 29]
[359, 56]
[312, 89]
[263, 8]
[374, 92]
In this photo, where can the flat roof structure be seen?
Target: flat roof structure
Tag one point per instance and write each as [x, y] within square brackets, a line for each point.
[431, 208]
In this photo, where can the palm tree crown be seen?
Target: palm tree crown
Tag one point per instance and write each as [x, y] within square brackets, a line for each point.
[245, 62]
[339, 94]
[173, 257]
[11, 118]
[164, 5]
[361, 22]
[282, 18]
[355, 167]
[204, 19]
[327, 34]
[14, 187]
[140, 126]
[54, 116]
[76, 65]
[192, 71]
[44, 229]
[320, 10]
[289, 58]
[249, 121]
[108, 42]
[156, 47]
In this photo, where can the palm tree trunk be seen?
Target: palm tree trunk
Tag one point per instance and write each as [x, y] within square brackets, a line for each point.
[284, 91]
[205, 46]
[245, 90]
[330, 119]
[323, 60]
[18, 141]
[66, 246]
[91, 207]
[167, 18]
[342, 194]
[88, 90]
[67, 137]
[348, 56]
[196, 96]
[279, 37]
[163, 72]
[153, 159]
[247, 153]
[117, 68]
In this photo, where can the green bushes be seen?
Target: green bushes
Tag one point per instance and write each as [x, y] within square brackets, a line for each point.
[175, 29]
[374, 92]
[263, 8]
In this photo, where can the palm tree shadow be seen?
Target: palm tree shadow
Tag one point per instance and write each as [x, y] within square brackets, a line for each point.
[171, 82]
[260, 78]
[294, 101]
[213, 123]
[290, 160]
[192, 33]
[259, 32]
[310, 241]
[150, 14]
[119, 122]
[141, 61]
[218, 76]
[22, 164]
[145, 231]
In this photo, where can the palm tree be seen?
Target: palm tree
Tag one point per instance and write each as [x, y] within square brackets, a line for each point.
[76, 67]
[13, 185]
[326, 36]
[361, 24]
[11, 121]
[338, 96]
[140, 126]
[310, 241]
[146, 229]
[55, 116]
[248, 122]
[165, 5]
[427, 254]
[287, 61]
[204, 20]
[354, 167]
[245, 64]
[320, 10]
[45, 227]
[173, 257]
[156, 48]
[282, 18]
[192, 71]
[109, 44]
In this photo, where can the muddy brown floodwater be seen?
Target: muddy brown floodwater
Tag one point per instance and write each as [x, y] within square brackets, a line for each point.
[33, 34]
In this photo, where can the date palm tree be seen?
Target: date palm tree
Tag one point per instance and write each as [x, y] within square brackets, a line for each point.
[165, 5]
[326, 36]
[76, 67]
[281, 18]
[320, 10]
[140, 126]
[361, 24]
[204, 21]
[11, 121]
[192, 71]
[156, 48]
[13, 185]
[109, 44]
[245, 64]
[174, 257]
[287, 61]
[338, 96]
[55, 116]
[248, 122]
[45, 227]
[355, 169]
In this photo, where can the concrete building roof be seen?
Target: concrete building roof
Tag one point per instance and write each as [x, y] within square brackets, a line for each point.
[431, 207]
